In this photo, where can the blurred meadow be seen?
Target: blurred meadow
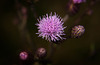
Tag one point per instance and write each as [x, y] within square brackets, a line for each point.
[18, 32]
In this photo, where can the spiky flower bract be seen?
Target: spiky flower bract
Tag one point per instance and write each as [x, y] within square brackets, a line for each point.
[51, 27]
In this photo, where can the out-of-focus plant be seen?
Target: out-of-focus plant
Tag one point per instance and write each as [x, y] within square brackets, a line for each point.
[50, 26]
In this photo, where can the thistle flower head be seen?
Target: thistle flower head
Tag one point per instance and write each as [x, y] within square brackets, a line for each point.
[78, 1]
[51, 27]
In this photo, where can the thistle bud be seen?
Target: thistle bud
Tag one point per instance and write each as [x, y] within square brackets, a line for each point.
[77, 31]
[73, 8]
[23, 55]
[41, 52]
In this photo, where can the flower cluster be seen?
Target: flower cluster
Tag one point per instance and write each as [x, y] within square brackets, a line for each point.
[51, 27]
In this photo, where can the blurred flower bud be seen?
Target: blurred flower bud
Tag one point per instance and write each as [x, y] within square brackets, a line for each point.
[15, 21]
[23, 55]
[24, 11]
[41, 52]
[78, 1]
[73, 8]
[93, 2]
[89, 12]
[77, 31]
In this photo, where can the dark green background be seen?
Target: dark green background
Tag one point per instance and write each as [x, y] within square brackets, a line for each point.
[82, 51]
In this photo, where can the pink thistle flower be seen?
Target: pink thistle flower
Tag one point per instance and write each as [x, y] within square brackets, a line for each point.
[51, 27]
[79, 1]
